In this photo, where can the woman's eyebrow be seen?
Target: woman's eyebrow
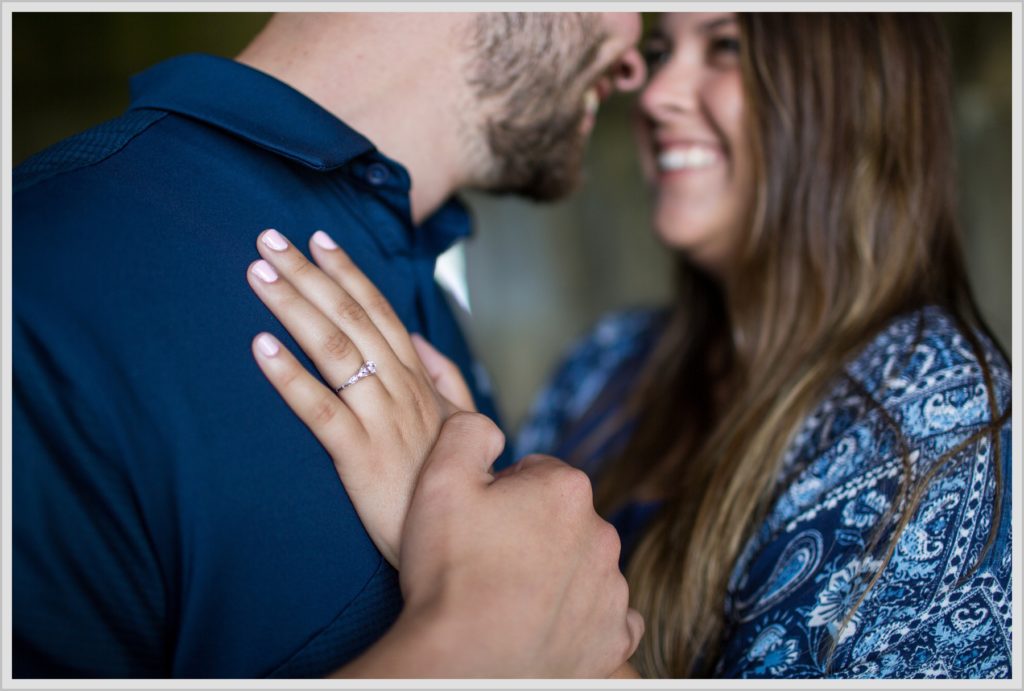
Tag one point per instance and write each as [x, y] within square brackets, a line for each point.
[717, 23]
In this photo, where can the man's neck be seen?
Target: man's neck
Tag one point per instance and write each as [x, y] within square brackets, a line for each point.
[397, 79]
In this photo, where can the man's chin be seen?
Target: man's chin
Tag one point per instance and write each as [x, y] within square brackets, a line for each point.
[539, 163]
[548, 180]
[542, 188]
[553, 192]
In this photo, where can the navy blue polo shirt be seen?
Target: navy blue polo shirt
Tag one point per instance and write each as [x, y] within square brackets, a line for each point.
[172, 517]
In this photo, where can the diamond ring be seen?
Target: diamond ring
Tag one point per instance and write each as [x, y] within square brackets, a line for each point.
[367, 369]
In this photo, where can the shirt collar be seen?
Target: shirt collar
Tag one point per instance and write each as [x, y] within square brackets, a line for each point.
[269, 113]
[250, 104]
[445, 227]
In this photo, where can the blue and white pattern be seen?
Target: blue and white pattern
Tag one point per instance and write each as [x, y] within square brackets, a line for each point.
[935, 611]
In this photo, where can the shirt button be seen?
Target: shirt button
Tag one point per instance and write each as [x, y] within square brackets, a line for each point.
[377, 173]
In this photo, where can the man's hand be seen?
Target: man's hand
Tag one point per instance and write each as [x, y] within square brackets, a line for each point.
[509, 577]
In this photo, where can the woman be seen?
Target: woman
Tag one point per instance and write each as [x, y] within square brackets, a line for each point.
[798, 399]
[807, 453]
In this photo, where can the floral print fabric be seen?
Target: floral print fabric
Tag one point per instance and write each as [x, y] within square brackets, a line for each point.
[941, 605]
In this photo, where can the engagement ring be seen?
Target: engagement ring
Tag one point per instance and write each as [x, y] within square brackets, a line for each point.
[368, 368]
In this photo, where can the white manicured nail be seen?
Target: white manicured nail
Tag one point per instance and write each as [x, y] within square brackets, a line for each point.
[324, 240]
[267, 345]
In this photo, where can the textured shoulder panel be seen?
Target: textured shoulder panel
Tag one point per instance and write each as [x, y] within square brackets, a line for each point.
[84, 149]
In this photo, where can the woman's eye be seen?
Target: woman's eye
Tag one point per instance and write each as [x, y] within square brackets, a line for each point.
[655, 53]
[725, 44]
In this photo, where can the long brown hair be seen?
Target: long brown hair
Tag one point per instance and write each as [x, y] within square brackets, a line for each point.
[854, 223]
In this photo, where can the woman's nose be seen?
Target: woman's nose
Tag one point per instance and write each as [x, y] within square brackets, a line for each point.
[668, 91]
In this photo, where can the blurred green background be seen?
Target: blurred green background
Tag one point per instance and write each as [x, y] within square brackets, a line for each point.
[538, 275]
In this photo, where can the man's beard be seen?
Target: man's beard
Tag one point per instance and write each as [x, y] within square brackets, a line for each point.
[532, 65]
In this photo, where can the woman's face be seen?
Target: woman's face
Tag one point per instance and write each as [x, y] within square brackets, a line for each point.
[693, 141]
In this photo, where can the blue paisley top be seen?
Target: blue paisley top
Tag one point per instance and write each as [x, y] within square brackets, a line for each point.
[804, 567]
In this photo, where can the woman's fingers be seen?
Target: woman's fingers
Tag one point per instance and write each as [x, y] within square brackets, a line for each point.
[325, 295]
[331, 350]
[378, 432]
[444, 373]
[337, 265]
[316, 405]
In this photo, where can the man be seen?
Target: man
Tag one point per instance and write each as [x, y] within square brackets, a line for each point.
[171, 516]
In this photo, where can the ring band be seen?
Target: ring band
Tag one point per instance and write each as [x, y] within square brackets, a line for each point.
[367, 369]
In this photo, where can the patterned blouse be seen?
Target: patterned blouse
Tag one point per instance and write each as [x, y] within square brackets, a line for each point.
[929, 615]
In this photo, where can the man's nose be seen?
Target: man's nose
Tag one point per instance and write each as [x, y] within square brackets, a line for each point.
[630, 72]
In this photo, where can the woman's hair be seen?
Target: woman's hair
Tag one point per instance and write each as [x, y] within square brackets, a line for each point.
[853, 223]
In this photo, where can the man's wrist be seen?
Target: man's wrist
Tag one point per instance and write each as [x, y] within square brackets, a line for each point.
[423, 643]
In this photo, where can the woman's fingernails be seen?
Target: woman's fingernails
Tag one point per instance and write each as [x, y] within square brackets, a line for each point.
[324, 240]
[267, 345]
[264, 271]
[274, 240]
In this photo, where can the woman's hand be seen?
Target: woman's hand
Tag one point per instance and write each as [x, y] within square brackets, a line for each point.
[379, 428]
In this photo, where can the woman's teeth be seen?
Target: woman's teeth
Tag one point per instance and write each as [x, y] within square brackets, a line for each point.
[686, 158]
[591, 101]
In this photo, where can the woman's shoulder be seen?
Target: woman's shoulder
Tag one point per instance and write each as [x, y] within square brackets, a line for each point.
[614, 338]
[919, 376]
[924, 351]
[591, 362]
[915, 399]
[915, 394]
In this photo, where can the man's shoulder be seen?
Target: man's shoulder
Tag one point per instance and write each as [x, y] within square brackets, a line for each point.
[84, 149]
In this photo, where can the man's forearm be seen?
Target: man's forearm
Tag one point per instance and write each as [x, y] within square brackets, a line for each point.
[422, 646]
[419, 645]
[626, 671]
